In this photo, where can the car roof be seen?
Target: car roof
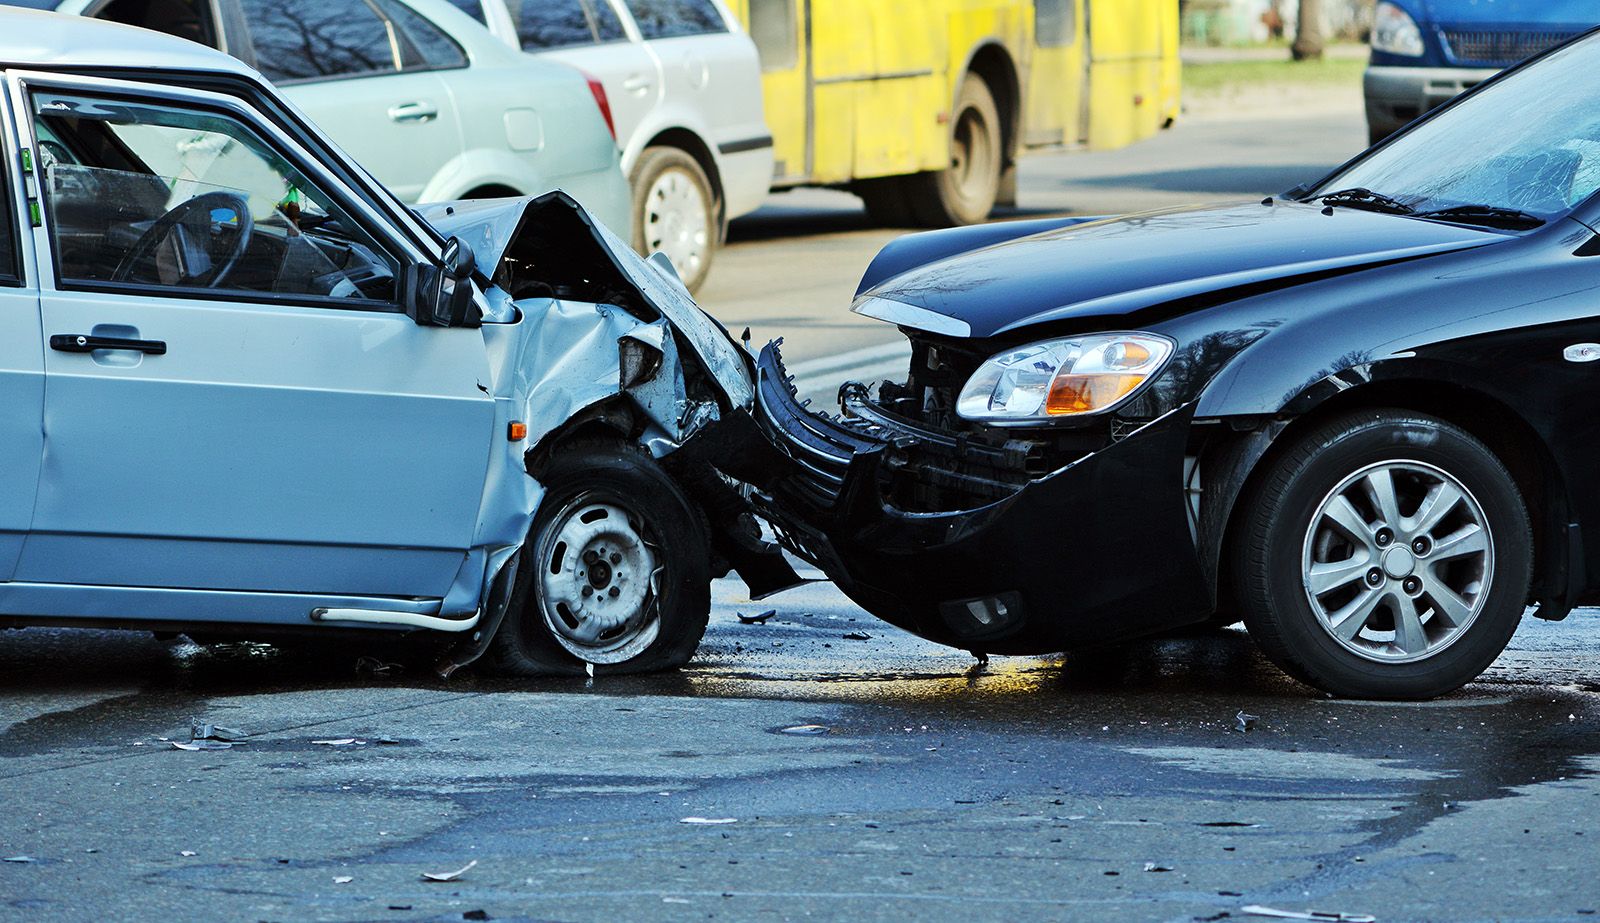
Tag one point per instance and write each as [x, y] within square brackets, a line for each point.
[32, 38]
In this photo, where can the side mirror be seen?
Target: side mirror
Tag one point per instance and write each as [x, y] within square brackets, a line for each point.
[441, 295]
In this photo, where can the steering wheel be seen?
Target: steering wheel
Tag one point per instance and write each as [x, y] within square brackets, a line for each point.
[175, 220]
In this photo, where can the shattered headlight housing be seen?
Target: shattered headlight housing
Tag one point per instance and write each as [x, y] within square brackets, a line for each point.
[1068, 377]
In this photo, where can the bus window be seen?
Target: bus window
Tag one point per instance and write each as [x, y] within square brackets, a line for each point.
[1055, 22]
[772, 27]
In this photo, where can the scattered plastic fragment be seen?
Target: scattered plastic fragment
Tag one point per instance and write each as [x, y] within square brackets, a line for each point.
[1228, 823]
[337, 742]
[759, 619]
[805, 730]
[201, 745]
[857, 636]
[1318, 915]
[343, 879]
[1244, 723]
[476, 915]
[1153, 867]
[205, 730]
[19, 859]
[372, 666]
[449, 876]
[188, 853]
[709, 820]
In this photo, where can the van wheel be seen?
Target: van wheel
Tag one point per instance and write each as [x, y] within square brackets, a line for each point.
[675, 212]
[618, 570]
[964, 193]
[1386, 555]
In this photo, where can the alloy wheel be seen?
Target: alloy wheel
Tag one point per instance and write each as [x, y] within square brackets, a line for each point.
[1397, 561]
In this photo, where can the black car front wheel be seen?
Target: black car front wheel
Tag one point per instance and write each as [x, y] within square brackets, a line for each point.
[1386, 555]
[617, 570]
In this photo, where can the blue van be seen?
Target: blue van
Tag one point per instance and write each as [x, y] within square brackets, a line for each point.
[1425, 52]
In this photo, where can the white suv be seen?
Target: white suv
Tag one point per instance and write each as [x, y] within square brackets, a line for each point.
[684, 82]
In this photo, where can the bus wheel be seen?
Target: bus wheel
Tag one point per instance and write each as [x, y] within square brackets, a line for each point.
[966, 192]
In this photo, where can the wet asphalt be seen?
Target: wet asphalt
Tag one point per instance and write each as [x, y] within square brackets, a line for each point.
[1105, 785]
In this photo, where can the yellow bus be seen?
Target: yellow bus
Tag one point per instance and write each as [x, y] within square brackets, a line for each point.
[922, 107]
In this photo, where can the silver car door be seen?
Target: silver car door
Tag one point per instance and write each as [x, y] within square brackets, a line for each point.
[21, 357]
[234, 400]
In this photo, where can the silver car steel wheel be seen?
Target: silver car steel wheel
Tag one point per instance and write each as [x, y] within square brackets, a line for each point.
[677, 221]
[1397, 561]
[599, 581]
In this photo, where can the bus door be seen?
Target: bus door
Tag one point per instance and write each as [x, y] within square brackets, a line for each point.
[1058, 81]
[1129, 46]
[781, 31]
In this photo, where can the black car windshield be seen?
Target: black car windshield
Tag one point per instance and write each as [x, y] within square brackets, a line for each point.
[1529, 144]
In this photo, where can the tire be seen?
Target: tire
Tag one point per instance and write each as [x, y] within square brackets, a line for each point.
[608, 500]
[1302, 576]
[888, 201]
[966, 192]
[675, 212]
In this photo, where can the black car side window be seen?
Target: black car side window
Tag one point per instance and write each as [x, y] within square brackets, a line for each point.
[10, 271]
[675, 18]
[190, 19]
[318, 39]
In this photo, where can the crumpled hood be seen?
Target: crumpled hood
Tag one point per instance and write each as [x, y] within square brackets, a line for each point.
[1118, 266]
[490, 225]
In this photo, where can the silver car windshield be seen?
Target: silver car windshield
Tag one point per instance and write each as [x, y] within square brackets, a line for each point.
[1528, 143]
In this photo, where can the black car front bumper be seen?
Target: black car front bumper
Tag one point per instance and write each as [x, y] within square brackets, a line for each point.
[1098, 550]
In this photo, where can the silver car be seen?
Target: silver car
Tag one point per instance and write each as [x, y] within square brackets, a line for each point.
[418, 93]
[684, 82]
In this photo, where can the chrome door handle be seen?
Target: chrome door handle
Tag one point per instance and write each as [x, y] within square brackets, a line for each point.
[413, 112]
[637, 84]
[84, 343]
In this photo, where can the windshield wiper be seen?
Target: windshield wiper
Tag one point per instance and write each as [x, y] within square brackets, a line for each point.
[1492, 216]
[1364, 198]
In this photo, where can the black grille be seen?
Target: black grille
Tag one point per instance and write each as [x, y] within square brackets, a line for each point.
[1500, 48]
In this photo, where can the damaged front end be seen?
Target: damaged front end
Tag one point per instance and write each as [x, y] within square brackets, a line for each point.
[991, 539]
[587, 340]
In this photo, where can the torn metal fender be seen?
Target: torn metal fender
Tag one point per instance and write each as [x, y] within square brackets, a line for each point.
[553, 358]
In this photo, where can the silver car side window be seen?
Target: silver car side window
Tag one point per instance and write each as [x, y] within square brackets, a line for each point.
[146, 194]
[659, 19]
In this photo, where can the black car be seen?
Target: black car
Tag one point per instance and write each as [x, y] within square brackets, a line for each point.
[1363, 416]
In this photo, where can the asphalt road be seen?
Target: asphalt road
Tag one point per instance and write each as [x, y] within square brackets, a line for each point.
[1106, 785]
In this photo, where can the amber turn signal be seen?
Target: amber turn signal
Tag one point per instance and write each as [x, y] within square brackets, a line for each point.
[517, 431]
[1088, 393]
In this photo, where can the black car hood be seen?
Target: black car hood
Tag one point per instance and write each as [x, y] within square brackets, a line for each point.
[1118, 266]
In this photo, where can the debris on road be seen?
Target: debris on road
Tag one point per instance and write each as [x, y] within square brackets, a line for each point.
[338, 742]
[709, 820]
[1318, 915]
[205, 730]
[343, 879]
[857, 636]
[449, 876]
[372, 666]
[1153, 867]
[201, 745]
[188, 853]
[759, 619]
[1244, 723]
[805, 730]
[19, 859]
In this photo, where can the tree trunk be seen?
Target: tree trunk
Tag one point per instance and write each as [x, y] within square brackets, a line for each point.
[1308, 39]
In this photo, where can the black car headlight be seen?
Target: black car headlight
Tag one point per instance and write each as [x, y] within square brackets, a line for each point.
[1067, 377]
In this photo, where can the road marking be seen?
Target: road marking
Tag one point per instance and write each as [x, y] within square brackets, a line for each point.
[869, 363]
